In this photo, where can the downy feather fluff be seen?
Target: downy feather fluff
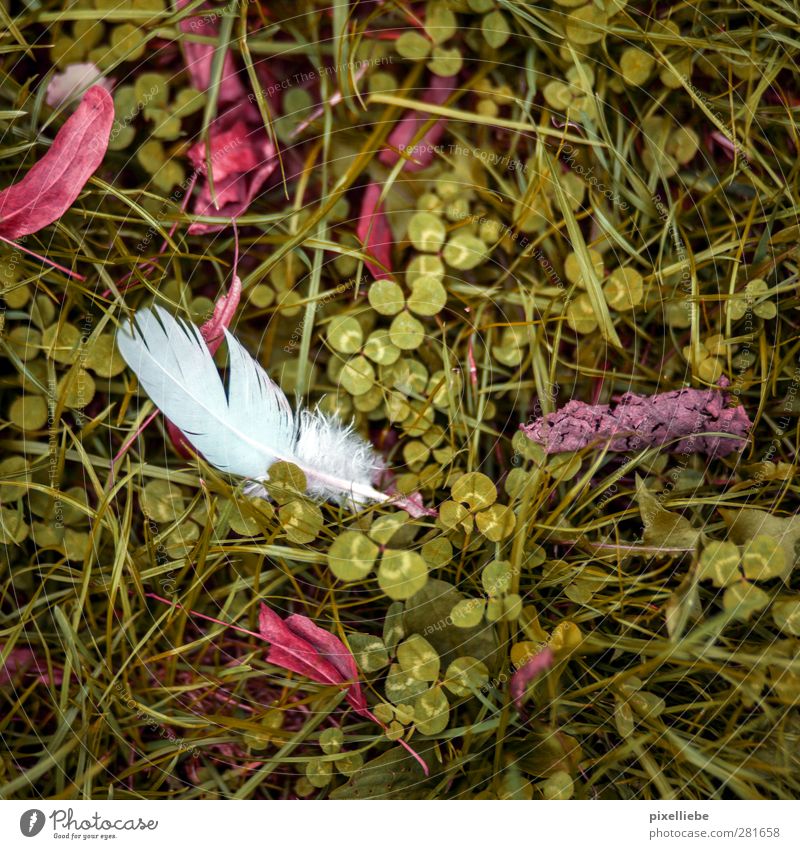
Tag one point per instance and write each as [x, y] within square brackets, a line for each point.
[247, 426]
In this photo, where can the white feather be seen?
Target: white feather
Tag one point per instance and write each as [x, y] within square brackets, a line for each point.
[323, 444]
[251, 426]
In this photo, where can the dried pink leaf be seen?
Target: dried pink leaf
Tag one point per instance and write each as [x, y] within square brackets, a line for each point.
[422, 151]
[213, 330]
[53, 183]
[413, 505]
[242, 159]
[683, 421]
[199, 56]
[374, 232]
[241, 154]
[528, 672]
[297, 644]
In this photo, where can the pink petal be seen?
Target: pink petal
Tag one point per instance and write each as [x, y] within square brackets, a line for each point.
[414, 506]
[374, 232]
[213, 330]
[538, 664]
[333, 650]
[73, 81]
[242, 159]
[292, 652]
[200, 56]
[51, 186]
[301, 646]
[326, 645]
[233, 151]
[400, 138]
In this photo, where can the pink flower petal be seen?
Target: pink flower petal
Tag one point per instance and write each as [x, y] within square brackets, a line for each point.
[213, 330]
[374, 232]
[414, 506]
[297, 644]
[242, 159]
[293, 652]
[333, 650]
[53, 183]
[532, 669]
[232, 152]
[200, 56]
[421, 152]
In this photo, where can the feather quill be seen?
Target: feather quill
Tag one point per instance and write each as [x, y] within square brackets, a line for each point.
[246, 426]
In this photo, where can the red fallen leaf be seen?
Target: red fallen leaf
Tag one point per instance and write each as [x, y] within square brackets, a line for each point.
[213, 330]
[374, 232]
[672, 420]
[530, 670]
[421, 153]
[297, 644]
[200, 56]
[300, 646]
[51, 186]
[473, 366]
[413, 505]
[242, 158]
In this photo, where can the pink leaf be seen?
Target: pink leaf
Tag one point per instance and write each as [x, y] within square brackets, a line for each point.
[413, 505]
[242, 159]
[473, 366]
[422, 151]
[335, 651]
[297, 644]
[213, 330]
[200, 56]
[532, 669]
[51, 186]
[672, 420]
[374, 232]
